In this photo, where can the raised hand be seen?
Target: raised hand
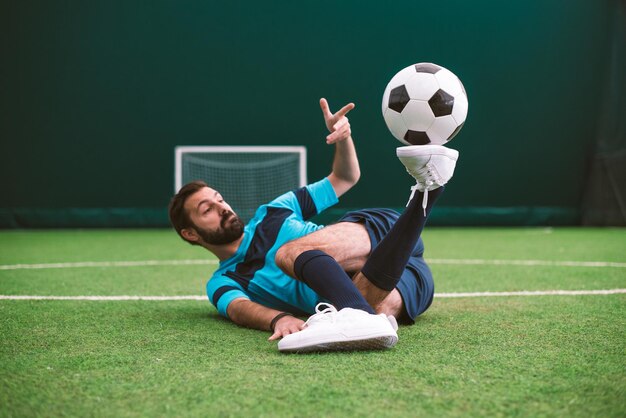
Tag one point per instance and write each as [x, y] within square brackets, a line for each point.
[337, 123]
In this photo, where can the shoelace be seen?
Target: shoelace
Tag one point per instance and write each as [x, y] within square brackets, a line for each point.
[328, 313]
[431, 177]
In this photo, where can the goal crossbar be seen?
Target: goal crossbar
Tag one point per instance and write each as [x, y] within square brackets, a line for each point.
[185, 149]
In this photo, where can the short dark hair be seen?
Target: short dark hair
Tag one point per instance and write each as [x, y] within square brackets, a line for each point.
[179, 218]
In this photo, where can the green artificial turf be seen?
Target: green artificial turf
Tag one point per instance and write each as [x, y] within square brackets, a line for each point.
[479, 356]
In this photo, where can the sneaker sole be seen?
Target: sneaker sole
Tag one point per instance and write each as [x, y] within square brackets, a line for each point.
[415, 150]
[375, 343]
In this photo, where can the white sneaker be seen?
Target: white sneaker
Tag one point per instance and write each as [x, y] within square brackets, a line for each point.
[431, 166]
[347, 329]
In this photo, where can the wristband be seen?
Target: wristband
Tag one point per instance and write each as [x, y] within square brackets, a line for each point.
[277, 317]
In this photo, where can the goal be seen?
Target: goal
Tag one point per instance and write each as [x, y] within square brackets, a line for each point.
[246, 176]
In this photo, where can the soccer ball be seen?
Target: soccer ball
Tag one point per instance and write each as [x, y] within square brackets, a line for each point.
[425, 104]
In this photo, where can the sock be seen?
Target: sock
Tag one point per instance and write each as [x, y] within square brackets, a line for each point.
[385, 265]
[325, 276]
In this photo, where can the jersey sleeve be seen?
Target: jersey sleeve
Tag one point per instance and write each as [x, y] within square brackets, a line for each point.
[309, 200]
[222, 290]
[323, 195]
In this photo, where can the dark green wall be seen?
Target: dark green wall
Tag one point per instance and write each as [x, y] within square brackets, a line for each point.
[95, 95]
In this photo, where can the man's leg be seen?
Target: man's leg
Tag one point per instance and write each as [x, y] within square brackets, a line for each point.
[322, 258]
[380, 275]
[347, 242]
[350, 242]
[432, 167]
[350, 323]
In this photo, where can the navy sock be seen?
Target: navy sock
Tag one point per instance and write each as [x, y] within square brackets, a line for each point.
[385, 265]
[325, 276]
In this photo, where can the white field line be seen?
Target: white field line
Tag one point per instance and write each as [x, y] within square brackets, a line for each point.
[532, 293]
[101, 298]
[452, 261]
[437, 295]
[83, 264]
[462, 261]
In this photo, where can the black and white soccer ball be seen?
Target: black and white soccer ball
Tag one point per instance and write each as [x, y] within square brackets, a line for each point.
[425, 104]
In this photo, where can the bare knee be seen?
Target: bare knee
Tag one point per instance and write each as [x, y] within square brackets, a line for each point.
[348, 243]
[286, 257]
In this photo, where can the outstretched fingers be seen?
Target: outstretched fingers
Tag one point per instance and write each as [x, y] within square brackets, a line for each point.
[344, 110]
[325, 109]
[329, 115]
[337, 123]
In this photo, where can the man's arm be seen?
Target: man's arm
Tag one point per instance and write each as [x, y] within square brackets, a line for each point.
[250, 314]
[345, 171]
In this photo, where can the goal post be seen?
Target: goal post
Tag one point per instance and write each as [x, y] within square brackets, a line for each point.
[246, 176]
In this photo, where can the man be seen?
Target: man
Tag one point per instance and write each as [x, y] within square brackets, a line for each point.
[360, 275]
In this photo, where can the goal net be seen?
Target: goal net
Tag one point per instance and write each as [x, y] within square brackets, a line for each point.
[246, 176]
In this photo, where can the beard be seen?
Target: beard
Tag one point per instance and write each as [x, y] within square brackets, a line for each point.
[228, 232]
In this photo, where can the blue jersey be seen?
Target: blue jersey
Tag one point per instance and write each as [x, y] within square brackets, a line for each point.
[252, 273]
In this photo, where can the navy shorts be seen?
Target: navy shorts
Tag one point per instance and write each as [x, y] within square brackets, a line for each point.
[416, 286]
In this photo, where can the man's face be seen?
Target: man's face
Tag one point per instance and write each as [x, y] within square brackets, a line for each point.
[213, 219]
